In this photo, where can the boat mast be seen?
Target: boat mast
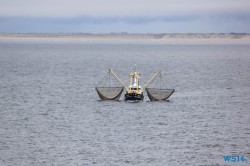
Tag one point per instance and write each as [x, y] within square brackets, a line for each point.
[134, 78]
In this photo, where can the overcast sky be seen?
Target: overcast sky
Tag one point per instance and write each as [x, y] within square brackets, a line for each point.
[133, 16]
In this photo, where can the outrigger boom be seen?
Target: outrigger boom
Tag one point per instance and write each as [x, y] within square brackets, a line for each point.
[152, 79]
[118, 79]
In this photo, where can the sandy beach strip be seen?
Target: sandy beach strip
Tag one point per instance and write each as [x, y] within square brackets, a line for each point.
[125, 37]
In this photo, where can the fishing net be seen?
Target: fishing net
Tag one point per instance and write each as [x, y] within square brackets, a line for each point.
[157, 90]
[109, 88]
[155, 94]
[109, 93]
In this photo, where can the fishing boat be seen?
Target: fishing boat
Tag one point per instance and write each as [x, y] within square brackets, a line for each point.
[134, 92]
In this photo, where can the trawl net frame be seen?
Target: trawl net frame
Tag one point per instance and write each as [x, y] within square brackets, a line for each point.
[155, 94]
[110, 87]
[109, 93]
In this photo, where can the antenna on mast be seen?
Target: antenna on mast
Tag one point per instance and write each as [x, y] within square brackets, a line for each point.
[135, 68]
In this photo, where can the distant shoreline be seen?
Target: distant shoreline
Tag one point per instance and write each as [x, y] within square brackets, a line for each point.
[161, 37]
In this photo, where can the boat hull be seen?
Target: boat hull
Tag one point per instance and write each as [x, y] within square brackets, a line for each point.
[133, 97]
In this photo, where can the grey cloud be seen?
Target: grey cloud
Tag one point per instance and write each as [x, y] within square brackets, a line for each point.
[217, 22]
[121, 8]
[127, 20]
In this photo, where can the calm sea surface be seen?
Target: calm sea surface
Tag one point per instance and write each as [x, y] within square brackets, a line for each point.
[50, 113]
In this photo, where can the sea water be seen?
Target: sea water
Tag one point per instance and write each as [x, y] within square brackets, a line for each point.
[50, 113]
